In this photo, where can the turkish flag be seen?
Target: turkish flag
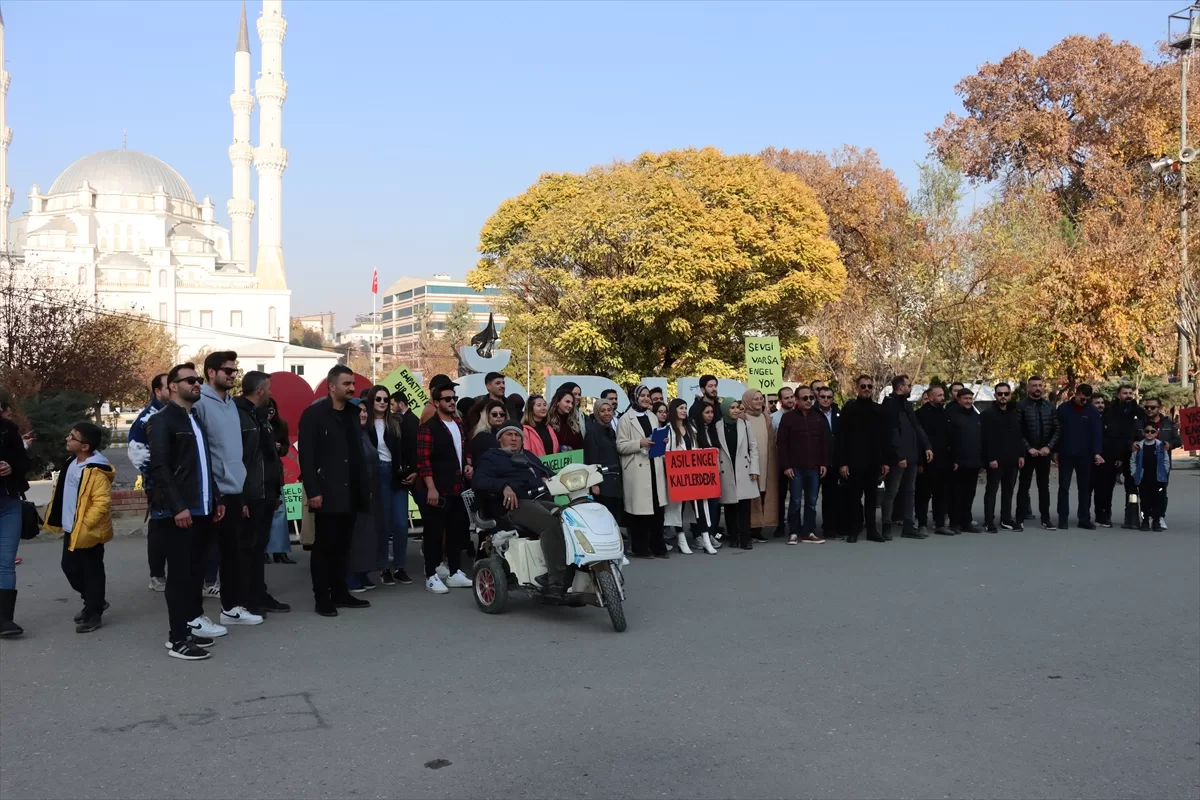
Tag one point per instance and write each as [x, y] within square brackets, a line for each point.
[375, 281]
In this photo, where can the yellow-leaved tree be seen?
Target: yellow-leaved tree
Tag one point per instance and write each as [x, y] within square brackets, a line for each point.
[661, 265]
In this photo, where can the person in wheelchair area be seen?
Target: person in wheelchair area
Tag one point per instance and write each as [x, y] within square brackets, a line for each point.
[512, 473]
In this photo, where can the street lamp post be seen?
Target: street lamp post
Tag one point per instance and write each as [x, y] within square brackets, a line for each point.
[1183, 33]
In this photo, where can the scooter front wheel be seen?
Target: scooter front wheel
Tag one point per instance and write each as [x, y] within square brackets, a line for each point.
[607, 584]
[490, 585]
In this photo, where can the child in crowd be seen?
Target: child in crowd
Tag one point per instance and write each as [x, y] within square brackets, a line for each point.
[81, 507]
[1151, 469]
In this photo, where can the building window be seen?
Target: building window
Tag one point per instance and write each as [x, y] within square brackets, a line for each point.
[205, 319]
[185, 318]
[417, 292]
[386, 316]
[162, 279]
[261, 367]
[162, 311]
[271, 321]
[82, 275]
[387, 298]
[235, 319]
[297, 369]
[404, 312]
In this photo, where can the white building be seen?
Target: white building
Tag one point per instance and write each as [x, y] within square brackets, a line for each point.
[126, 230]
[365, 330]
[411, 303]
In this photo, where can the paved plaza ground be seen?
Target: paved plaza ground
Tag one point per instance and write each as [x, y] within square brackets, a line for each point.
[1032, 665]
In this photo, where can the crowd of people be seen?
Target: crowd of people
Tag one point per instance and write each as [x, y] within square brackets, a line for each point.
[212, 463]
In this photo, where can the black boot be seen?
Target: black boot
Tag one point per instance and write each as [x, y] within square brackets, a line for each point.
[1131, 518]
[887, 531]
[8, 602]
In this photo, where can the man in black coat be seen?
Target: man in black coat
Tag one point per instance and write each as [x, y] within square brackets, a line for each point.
[1126, 419]
[862, 455]
[261, 490]
[966, 454]
[443, 469]
[333, 473]
[1039, 429]
[833, 502]
[1003, 457]
[910, 447]
[933, 479]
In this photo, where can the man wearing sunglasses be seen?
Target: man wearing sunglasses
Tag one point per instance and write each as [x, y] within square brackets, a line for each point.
[443, 469]
[909, 448]
[861, 454]
[218, 413]
[1125, 419]
[1003, 457]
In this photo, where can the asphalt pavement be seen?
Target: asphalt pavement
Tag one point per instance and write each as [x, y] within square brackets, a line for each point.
[1035, 665]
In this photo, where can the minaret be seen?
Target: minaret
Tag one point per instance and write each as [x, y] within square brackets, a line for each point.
[241, 152]
[269, 157]
[6, 194]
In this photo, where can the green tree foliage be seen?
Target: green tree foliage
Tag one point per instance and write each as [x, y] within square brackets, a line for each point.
[655, 265]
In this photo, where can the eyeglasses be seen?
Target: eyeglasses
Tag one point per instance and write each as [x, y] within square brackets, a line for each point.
[497, 414]
[1003, 394]
[862, 386]
[381, 399]
[451, 398]
[1150, 431]
[191, 380]
[1153, 408]
[805, 398]
[229, 371]
[71, 437]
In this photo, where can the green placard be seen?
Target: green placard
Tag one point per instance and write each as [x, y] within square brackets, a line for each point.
[293, 500]
[402, 378]
[557, 461]
[764, 364]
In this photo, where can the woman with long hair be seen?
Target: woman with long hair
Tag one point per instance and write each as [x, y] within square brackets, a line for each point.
[563, 419]
[764, 509]
[642, 477]
[363, 556]
[540, 438]
[739, 472]
[693, 513]
[659, 410]
[279, 545]
[395, 475]
[483, 438]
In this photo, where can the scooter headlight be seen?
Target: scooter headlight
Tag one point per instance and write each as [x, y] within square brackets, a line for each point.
[574, 480]
[583, 542]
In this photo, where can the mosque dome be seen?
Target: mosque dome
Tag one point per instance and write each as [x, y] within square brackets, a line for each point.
[123, 172]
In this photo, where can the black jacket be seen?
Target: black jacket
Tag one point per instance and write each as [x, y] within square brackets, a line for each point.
[258, 453]
[12, 452]
[862, 444]
[966, 437]
[936, 424]
[1039, 424]
[403, 449]
[1113, 445]
[697, 410]
[331, 457]
[907, 438]
[175, 462]
[600, 448]
[496, 470]
[1002, 441]
[1127, 421]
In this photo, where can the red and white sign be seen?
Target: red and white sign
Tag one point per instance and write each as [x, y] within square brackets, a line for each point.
[375, 281]
[693, 474]
[1189, 428]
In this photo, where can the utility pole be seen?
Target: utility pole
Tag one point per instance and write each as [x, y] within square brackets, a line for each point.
[1186, 34]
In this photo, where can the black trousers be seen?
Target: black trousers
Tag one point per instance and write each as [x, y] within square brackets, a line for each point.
[1040, 466]
[1132, 508]
[259, 525]
[646, 533]
[737, 521]
[1104, 482]
[785, 486]
[1081, 468]
[236, 544]
[862, 498]
[964, 485]
[84, 569]
[330, 549]
[187, 550]
[156, 550]
[833, 504]
[1153, 498]
[447, 534]
[932, 484]
[1004, 479]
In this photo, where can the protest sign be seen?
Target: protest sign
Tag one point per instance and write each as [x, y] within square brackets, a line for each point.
[693, 474]
[764, 364]
[293, 500]
[1189, 428]
[557, 461]
[402, 378]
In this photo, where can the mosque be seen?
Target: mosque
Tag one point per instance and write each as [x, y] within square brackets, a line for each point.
[126, 231]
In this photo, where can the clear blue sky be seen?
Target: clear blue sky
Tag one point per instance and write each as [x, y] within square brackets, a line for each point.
[408, 123]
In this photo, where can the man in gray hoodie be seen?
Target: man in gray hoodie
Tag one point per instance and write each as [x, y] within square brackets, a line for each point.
[222, 423]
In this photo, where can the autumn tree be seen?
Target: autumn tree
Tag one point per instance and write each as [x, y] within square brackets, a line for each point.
[661, 264]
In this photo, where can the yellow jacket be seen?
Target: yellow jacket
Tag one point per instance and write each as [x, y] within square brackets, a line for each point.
[93, 507]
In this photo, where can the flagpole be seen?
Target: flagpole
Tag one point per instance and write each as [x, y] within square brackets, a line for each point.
[374, 286]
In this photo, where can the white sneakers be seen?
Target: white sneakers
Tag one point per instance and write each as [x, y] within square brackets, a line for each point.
[435, 585]
[238, 615]
[211, 590]
[458, 581]
[203, 626]
[443, 572]
[158, 584]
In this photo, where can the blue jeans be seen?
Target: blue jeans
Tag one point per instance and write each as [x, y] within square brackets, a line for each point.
[10, 537]
[279, 541]
[805, 485]
[395, 521]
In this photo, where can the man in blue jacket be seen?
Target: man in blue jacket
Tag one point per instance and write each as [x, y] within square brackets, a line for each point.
[1079, 445]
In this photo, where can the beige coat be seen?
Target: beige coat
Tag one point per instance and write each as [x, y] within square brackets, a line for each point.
[764, 511]
[736, 470]
[635, 468]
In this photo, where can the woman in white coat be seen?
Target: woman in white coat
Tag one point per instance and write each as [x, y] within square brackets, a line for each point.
[739, 472]
[692, 512]
[642, 478]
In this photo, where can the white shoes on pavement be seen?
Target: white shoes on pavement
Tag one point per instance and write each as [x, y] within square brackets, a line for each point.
[458, 581]
[435, 585]
[681, 540]
[211, 590]
[158, 584]
[443, 572]
[706, 543]
[238, 615]
[203, 626]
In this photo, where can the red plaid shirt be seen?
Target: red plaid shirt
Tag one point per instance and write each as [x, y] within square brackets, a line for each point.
[425, 452]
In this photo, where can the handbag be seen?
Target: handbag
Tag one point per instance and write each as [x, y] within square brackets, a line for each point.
[31, 521]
